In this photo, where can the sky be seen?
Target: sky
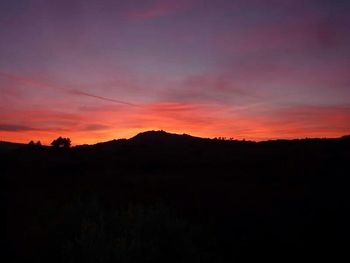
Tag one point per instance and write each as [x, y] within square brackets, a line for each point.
[96, 70]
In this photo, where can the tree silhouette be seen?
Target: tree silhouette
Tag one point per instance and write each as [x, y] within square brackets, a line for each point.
[33, 144]
[61, 142]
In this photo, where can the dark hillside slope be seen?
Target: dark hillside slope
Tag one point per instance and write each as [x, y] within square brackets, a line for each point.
[273, 198]
[9, 146]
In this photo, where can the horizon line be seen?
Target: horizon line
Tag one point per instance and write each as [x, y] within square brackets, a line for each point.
[222, 138]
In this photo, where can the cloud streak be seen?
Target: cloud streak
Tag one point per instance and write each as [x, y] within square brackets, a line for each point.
[15, 128]
[32, 82]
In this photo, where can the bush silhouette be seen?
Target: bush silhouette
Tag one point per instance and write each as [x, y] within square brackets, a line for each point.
[61, 142]
[136, 234]
[34, 144]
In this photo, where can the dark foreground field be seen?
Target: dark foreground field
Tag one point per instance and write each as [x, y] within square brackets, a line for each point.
[160, 197]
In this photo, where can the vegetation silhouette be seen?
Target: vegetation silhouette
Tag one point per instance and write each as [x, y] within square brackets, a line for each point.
[34, 144]
[132, 234]
[61, 143]
[222, 200]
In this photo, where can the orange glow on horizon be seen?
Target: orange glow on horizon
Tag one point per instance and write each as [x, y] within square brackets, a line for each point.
[107, 122]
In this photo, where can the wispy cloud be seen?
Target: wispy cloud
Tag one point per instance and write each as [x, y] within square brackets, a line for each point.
[15, 128]
[82, 93]
[96, 127]
[104, 122]
[41, 84]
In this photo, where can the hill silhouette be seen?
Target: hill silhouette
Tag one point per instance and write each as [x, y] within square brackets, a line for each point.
[154, 138]
[162, 136]
[218, 200]
[9, 146]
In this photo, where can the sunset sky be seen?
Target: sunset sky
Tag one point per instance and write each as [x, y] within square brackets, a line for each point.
[95, 70]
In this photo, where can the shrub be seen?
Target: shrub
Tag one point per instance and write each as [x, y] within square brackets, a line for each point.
[135, 234]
